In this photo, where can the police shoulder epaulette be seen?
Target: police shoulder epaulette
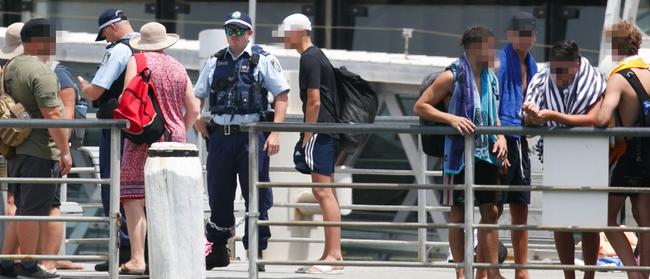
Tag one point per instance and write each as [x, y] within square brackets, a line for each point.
[259, 50]
[219, 54]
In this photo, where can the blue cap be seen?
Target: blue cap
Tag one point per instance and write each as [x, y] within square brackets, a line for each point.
[107, 18]
[522, 21]
[240, 19]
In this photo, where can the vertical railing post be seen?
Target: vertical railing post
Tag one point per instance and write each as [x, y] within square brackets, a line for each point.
[114, 224]
[469, 206]
[63, 198]
[422, 203]
[253, 204]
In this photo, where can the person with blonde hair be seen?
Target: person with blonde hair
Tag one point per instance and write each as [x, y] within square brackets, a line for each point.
[625, 101]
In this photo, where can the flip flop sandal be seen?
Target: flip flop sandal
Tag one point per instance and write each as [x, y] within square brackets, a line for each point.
[126, 271]
[324, 269]
[303, 269]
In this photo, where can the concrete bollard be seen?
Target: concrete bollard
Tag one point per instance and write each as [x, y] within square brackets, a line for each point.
[174, 199]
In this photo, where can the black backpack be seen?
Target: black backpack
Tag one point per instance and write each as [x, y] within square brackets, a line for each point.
[358, 104]
[641, 145]
[432, 145]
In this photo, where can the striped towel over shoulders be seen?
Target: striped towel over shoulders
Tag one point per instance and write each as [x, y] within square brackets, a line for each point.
[588, 85]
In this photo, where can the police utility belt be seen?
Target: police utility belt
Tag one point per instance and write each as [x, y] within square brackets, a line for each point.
[225, 130]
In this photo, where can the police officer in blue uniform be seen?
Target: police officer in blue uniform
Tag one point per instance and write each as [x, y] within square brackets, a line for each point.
[104, 90]
[240, 83]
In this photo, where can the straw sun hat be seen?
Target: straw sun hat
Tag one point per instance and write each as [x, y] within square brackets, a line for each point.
[153, 37]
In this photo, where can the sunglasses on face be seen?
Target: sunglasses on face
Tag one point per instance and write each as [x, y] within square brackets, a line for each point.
[236, 31]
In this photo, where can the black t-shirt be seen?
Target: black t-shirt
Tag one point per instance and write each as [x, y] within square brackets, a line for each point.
[317, 72]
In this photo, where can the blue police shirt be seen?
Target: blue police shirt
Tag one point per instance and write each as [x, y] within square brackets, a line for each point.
[271, 77]
[113, 64]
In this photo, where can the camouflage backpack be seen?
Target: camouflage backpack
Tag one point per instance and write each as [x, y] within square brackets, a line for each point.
[11, 137]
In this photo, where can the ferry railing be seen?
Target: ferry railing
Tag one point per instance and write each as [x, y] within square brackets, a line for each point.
[468, 265]
[114, 180]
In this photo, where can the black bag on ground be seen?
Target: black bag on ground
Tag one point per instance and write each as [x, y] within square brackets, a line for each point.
[358, 104]
[432, 145]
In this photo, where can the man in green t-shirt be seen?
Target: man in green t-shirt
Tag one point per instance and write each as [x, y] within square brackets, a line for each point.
[45, 153]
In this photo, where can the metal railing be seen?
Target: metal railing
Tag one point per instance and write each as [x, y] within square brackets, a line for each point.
[469, 187]
[114, 217]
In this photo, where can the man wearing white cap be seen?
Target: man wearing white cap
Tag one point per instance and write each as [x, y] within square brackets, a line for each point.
[13, 45]
[316, 154]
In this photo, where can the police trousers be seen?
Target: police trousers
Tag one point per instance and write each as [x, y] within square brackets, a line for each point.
[227, 160]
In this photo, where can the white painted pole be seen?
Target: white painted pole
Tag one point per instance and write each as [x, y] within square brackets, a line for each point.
[174, 188]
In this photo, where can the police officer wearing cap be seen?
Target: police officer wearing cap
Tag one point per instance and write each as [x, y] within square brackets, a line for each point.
[104, 90]
[241, 83]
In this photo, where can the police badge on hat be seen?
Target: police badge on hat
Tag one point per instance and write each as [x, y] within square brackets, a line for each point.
[236, 14]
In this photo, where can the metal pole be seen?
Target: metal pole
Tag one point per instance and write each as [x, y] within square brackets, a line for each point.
[469, 206]
[252, 12]
[114, 224]
[63, 198]
[422, 203]
[253, 205]
[329, 18]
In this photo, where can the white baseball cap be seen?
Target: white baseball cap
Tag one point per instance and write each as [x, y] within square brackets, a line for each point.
[294, 22]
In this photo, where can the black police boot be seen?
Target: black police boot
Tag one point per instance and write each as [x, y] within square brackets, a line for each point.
[219, 257]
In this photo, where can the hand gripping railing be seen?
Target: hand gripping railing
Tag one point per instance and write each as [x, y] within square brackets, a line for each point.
[468, 188]
[113, 219]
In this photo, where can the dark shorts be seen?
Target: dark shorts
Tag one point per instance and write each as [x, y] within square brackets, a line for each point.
[34, 199]
[518, 173]
[57, 196]
[626, 172]
[318, 155]
[484, 174]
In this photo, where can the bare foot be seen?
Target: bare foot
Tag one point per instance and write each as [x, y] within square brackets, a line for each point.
[68, 265]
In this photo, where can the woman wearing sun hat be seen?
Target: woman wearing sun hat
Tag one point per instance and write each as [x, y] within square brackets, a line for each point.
[175, 95]
[13, 45]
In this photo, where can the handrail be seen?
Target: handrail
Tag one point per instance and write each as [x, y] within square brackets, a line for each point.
[443, 130]
[77, 123]
[468, 187]
[402, 186]
[39, 180]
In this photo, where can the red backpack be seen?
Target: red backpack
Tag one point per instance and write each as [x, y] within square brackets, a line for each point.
[139, 105]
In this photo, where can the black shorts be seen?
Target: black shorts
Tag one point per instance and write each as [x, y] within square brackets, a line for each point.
[518, 173]
[484, 174]
[33, 199]
[626, 172]
[57, 196]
